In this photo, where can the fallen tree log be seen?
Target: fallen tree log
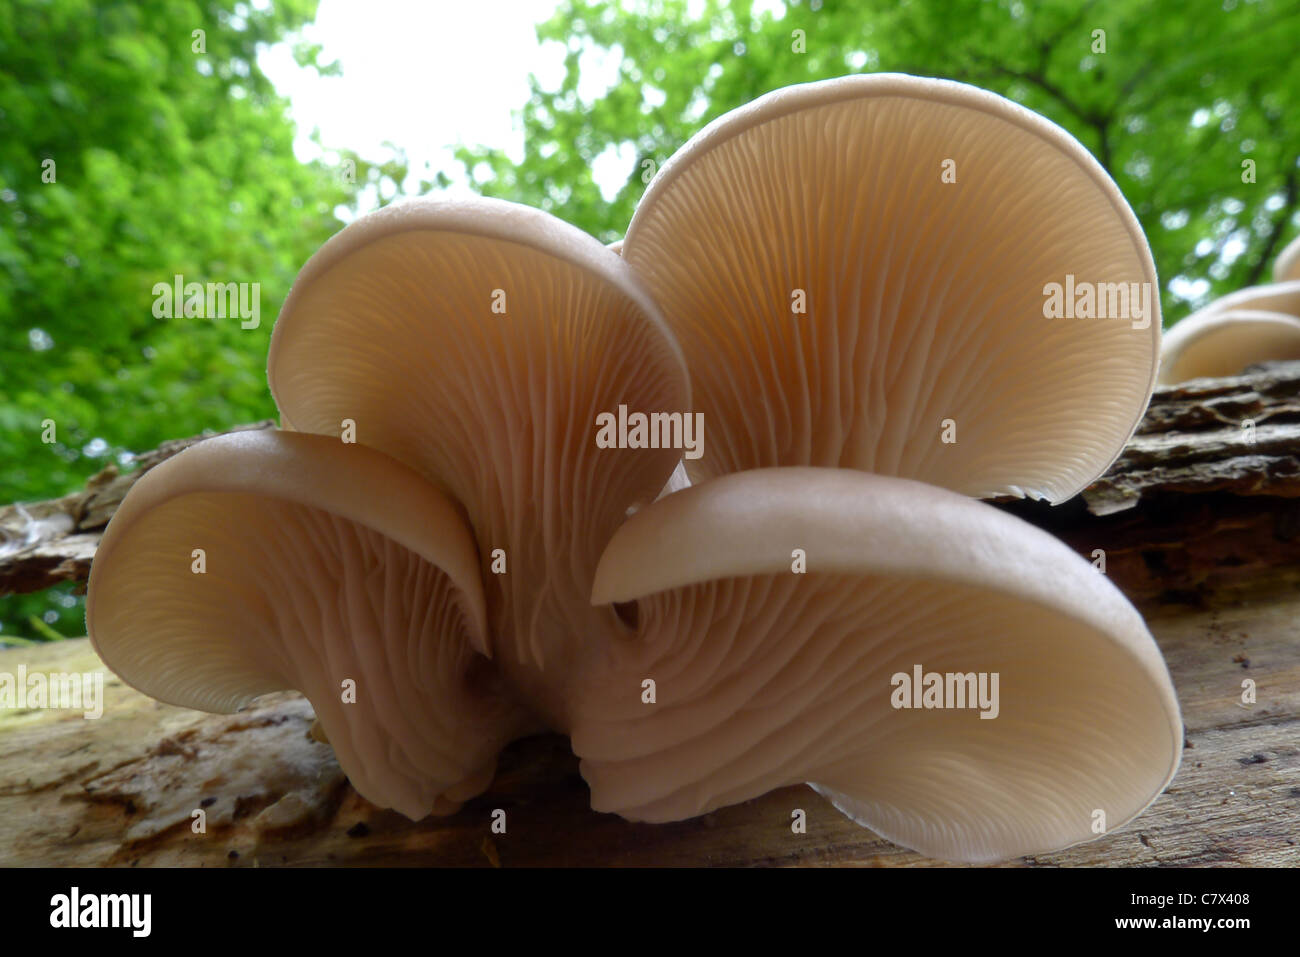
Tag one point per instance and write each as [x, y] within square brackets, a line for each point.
[1206, 493]
[1212, 458]
[45, 543]
[1198, 521]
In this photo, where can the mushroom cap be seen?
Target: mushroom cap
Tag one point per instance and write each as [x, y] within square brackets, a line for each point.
[766, 678]
[1286, 268]
[1281, 297]
[925, 299]
[308, 579]
[478, 341]
[1217, 342]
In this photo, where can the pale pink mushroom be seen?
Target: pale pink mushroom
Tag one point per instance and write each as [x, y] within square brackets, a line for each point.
[248, 564]
[766, 677]
[852, 263]
[474, 346]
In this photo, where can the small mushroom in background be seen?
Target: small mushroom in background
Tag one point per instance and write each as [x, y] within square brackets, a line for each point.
[1286, 268]
[1223, 342]
[1244, 327]
[471, 561]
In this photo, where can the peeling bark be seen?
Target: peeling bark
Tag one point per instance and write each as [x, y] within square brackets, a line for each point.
[45, 543]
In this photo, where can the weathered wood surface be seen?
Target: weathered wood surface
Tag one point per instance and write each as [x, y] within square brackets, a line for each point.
[1207, 493]
[1199, 520]
[45, 543]
[122, 789]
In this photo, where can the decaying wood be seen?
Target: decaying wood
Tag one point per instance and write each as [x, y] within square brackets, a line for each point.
[45, 543]
[123, 789]
[1199, 523]
[1212, 458]
[1239, 435]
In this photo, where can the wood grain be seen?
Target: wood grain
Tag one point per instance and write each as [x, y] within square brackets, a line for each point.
[121, 790]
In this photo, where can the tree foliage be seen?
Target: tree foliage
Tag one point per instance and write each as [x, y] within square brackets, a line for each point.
[1171, 96]
[171, 154]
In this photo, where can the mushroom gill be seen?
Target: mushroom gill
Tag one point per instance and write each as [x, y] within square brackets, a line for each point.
[249, 563]
[855, 265]
[775, 609]
[478, 342]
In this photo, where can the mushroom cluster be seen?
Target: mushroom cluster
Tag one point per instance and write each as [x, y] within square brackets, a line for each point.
[1242, 328]
[848, 282]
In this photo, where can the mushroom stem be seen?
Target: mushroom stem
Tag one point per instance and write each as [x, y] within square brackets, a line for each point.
[535, 330]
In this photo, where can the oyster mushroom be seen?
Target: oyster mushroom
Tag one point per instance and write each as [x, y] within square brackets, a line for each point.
[1223, 342]
[1237, 330]
[477, 341]
[469, 349]
[765, 677]
[870, 255]
[249, 564]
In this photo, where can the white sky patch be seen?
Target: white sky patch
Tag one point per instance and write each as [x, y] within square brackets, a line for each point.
[775, 7]
[425, 77]
[1189, 290]
[597, 71]
[612, 168]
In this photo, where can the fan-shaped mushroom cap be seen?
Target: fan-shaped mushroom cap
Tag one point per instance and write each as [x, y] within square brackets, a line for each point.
[1217, 342]
[918, 225]
[765, 677]
[1280, 297]
[307, 579]
[1286, 268]
[478, 341]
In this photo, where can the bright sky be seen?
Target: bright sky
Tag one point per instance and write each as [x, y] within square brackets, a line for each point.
[425, 75]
